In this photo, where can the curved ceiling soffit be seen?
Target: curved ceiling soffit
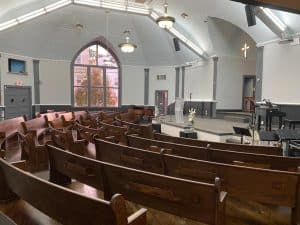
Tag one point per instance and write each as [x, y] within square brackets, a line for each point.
[232, 29]
[190, 43]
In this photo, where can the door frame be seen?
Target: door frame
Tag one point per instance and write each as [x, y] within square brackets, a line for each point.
[23, 87]
[166, 109]
[243, 90]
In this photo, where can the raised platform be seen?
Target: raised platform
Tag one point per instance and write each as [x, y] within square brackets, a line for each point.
[207, 129]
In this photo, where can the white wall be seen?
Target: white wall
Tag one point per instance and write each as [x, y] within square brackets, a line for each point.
[168, 84]
[10, 78]
[133, 79]
[55, 82]
[199, 81]
[281, 73]
[230, 81]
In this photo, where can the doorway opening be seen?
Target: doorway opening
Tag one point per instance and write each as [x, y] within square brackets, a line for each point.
[161, 101]
[249, 85]
[17, 101]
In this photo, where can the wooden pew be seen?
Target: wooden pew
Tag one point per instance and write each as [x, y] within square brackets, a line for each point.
[64, 139]
[222, 156]
[63, 205]
[189, 199]
[108, 117]
[88, 133]
[117, 133]
[68, 119]
[144, 130]
[83, 117]
[8, 131]
[38, 125]
[264, 186]
[267, 150]
[129, 116]
[33, 152]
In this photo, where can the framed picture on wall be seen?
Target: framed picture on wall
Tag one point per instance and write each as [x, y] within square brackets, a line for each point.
[17, 66]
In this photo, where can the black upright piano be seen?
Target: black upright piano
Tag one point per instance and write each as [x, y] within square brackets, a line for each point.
[266, 111]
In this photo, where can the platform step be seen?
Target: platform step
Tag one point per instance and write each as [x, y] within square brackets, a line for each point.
[237, 119]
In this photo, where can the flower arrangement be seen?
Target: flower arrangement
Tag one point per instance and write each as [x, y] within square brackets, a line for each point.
[191, 116]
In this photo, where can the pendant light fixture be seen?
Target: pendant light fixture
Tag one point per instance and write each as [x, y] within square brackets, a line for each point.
[127, 47]
[165, 21]
[107, 59]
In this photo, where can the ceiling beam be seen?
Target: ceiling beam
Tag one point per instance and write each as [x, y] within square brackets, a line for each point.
[285, 5]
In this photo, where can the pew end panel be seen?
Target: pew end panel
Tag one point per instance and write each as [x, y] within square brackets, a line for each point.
[36, 155]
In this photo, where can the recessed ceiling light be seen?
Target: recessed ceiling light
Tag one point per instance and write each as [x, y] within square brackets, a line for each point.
[79, 26]
[185, 16]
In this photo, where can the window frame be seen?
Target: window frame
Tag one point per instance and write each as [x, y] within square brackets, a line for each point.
[108, 47]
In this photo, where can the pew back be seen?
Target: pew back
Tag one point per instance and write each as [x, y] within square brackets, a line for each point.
[257, 149]
[144, 130]
[266, 186]
[259, 185]
[61, 204]
[10, 127]
[198, 201]
[229, 157]
[81, 115]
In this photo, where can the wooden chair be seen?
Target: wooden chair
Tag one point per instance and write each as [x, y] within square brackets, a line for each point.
[65, 206]
[202, 202]
[35, 154]
[267, 150]
[222, 156]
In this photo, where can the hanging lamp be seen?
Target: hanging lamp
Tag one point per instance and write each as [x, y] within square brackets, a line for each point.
[165, 21]
[127, 47]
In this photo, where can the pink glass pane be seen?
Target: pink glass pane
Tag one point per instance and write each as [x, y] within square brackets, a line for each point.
[87, 56]
[96, 77]
[105, 58]
[97, 97]
[80, 96]
[80, 76]
[112, 78]
[112, 97]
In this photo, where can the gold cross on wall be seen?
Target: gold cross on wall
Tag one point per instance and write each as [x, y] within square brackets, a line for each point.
[245, 48]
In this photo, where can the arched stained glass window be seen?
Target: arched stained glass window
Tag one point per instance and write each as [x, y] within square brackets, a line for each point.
[95, 78]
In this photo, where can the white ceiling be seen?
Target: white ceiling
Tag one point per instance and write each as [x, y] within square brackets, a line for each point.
[54, 35]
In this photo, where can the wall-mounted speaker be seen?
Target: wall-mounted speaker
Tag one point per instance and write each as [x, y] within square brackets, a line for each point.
[250, 13]
[176, 44]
